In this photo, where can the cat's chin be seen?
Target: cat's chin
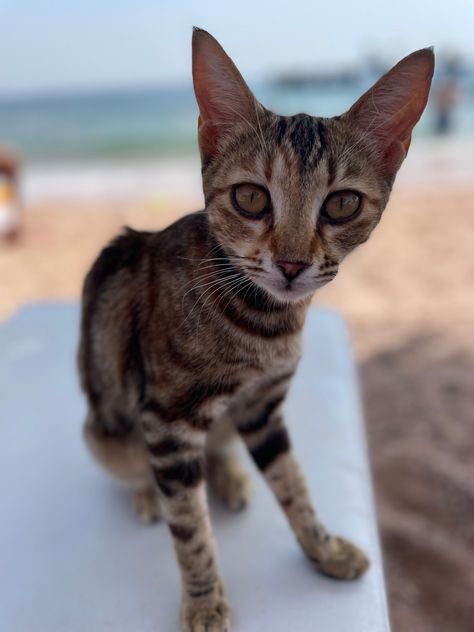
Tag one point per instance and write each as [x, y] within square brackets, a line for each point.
[288, 293]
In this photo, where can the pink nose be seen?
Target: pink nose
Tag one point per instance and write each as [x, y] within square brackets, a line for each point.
[291, 269]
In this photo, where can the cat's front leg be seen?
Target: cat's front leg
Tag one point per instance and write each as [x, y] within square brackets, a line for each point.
[176, 452]
[267, 439]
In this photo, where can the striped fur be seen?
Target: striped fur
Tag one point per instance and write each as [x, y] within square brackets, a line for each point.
[190, 336]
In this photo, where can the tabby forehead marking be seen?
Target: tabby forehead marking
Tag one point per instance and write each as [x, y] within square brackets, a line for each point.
[280, 174]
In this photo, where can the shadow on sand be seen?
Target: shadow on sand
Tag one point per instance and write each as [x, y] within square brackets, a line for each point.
[419, 402]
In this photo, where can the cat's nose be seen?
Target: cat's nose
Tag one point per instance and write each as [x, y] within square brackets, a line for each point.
[291, 269]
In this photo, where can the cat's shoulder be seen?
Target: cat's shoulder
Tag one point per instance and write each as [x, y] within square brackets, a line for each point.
[124, 251]
[191, 234]
[130, 248]
[192, 226]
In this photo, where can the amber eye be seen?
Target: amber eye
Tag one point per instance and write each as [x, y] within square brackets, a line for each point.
[341, 205]
[250, 198]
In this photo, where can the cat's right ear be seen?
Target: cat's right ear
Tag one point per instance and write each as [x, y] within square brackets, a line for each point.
[223, 97]
[388, 112]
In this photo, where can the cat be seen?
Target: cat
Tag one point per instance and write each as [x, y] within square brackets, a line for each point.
[190, 336]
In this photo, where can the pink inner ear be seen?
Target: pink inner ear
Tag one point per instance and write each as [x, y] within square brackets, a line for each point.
[392, 107]
[208, 138]
[393, 156]
[406, 144]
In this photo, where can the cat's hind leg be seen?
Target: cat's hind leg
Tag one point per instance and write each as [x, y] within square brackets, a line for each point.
[225, 474]
[147, 504]
[123, 454]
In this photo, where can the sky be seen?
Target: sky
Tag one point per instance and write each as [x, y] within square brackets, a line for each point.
[64, 45]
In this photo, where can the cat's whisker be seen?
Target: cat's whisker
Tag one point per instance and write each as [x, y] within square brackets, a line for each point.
[194, 283]
[253, 268]
[215, 268]
[214, 272]
[198, 285]
[212, 282]
[205, 259]
[248, 288]
[257, 273]
[245, 286]
[218, 265]
[221, 283]
[207, 286]
[230, 290]
[226, 262]
[225, 289]
[217, 248]
[260, 128]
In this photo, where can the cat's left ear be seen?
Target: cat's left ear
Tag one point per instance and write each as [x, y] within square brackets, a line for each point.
[223, 97]
[389, 111]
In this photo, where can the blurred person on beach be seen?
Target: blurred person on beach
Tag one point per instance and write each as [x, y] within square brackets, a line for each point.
[9, 202]
[447, 95]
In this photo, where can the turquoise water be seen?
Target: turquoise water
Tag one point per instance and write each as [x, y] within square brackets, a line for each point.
[154, 122]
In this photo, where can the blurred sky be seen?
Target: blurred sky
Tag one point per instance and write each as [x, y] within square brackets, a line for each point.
[78, 44]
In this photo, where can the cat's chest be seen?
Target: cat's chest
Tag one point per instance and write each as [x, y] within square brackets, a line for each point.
[250, 357]
[252, 389]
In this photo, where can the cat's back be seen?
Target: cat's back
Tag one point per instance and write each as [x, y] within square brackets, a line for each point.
[107, 299]
[136, 259]
[122, 258]
[121, 289]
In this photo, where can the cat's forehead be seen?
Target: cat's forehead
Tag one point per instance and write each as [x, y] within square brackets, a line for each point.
[300, 153]
[304, 140]
[311, 140]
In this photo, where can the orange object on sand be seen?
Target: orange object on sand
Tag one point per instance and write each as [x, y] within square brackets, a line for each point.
[9, 203]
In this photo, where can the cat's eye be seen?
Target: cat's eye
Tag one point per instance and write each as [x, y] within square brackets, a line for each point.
[341, 206]
[251, 198]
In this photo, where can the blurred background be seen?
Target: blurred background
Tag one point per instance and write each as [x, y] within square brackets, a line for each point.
[98, 130]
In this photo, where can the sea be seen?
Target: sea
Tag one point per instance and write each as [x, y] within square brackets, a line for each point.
[151, 122]
[83, 142]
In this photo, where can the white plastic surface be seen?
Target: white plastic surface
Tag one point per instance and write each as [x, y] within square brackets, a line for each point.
[73, 557]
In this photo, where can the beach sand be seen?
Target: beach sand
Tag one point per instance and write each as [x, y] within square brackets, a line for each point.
[408, 298]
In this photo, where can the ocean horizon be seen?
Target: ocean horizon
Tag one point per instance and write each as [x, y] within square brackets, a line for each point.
[148, 123]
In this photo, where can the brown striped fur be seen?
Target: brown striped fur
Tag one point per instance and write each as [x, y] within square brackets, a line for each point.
[190, 336]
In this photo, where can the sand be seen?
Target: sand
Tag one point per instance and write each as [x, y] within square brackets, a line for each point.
[408, 299]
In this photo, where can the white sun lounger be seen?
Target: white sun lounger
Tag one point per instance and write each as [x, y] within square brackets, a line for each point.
[73, 556]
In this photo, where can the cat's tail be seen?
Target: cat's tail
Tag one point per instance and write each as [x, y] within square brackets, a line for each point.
[122, 454]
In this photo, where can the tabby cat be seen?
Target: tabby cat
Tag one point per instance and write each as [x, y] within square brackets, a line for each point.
[191, 335]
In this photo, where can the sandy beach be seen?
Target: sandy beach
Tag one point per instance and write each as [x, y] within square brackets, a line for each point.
[408, 298]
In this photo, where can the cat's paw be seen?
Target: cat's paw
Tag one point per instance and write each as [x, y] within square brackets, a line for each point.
[342, 560]
[206, 618]
[235, 490]
[147, 505]
[231, 484]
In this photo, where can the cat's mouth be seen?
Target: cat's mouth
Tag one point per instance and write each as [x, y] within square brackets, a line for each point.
[289, 290]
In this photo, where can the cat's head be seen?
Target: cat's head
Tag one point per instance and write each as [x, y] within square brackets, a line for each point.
[290, 196]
